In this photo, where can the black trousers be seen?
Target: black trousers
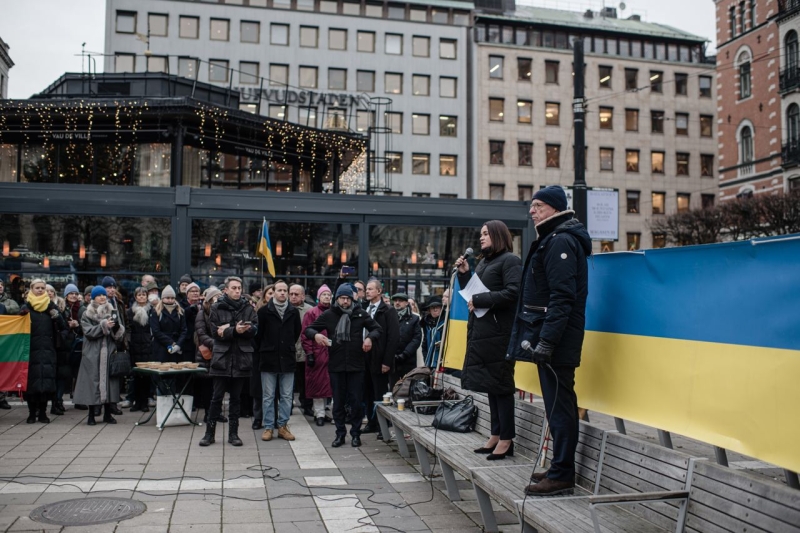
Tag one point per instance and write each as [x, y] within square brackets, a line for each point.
[562, 415]
[379, 385]
[348, 390]
[300, 384]
[203, 392]
[501, 408]
[141, 389]
[233, 386]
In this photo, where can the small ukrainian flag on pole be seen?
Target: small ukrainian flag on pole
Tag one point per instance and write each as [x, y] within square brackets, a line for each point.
[265, 247]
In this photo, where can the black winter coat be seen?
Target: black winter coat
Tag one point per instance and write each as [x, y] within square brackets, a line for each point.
[485, 366]
[277, 338]
[383, 351]
[140, 338]
[202, 331]
[233, 352]
[168, 329]
[405, 359]
[554, 291]
[187, 346]
[45, 333]
[348, 356]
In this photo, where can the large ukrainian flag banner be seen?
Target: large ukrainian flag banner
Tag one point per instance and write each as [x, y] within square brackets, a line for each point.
[703, 341]
[265, 247]
[455, 342]
[15, 339]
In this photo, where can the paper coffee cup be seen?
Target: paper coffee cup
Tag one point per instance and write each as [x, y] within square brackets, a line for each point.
[401, 405]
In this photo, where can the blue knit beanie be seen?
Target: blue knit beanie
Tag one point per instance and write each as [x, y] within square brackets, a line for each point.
[69, 289]
[98, 291]
[108, 281]
[554, 196]
[345, 289]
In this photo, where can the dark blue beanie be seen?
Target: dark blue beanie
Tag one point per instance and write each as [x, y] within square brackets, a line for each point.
[345, 289]
[554, 196]
[108, 281]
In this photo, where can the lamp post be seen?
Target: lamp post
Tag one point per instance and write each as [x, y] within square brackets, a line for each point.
[579, 114]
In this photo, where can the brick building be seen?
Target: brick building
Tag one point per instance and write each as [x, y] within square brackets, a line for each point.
[789, 23]
[749, 99]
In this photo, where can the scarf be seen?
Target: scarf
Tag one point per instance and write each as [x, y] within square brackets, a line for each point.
[404, 312]
[141, 313]
[38, 303]
[343, 327]
[170, 307]
[236, 305]
[280, 307]
[73, 310]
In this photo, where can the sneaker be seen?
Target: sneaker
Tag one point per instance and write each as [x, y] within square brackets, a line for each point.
[267, 435]
[124, 404]
[151, 402]
[284, 433]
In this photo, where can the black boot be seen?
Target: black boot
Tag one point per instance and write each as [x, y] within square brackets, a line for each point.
[233, 432]
[107, 418]
[56, 408]
[43, 412]
[61, 406]
[31, 413]
[208, 438]
[91, 421]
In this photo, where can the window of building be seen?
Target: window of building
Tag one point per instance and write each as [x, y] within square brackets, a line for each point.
[439, 16]
[328, 6]
[496, 67]
[307, 116]
[706, 165]
[741, 17]
[606, 246]
[631, 120]
[394, 162]
[366, 41]
[552, 111]
[497, 191]
[277, 112]
[525, 151]
[496, 106]
[364, 120]
[448, 126]
[421, 46]
[683, 199]
[551, 72]
[418, 15]
[337, 39]
[682, 164]
[605, 76]
[124, 63]
[157, 24]
[277, 4]
[732, 21]
[157, 64]
[217, 70]
[126, 22]
[524, 193]
[706, 125]
[365, 81]
[309, 36]
[681, 124]
[606, 159]
[447, 87]
[632, 160]
[746, 145]
[524, 69]
[658, 200]
[250, 32]
[420, 85]
[794, 184]
[793, 126]
[447, 165]
[496, 152]
[278, 74]
[705, 86]
[393, 83]
[634, 241]
[374, 10]
[657, 162]
[188, 27]
[524, 111]
[350, 8]
[633, 202]
[657, 121]
[187, 67]
[606, 118]
[394, 121]
[308, 77]
[421, 164]
[420, 124]
[707, 201]
[631, 79]
[279, 34]
[681, 84]
[553, 156]
[656, 81]
[337, 79]
[447, 48]
[248, 73]
[745, 87]
[394, 44]
[791, 51]
[396, 12]
[659, 240]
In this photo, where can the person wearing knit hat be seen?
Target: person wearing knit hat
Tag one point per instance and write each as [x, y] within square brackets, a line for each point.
[168, 292]
[168, 324]
[323, 289]
[183, 283]
[345, 289]
[69, 356]
[98, 291]
[87, 294]
[318, 381]
[554, 196]
[210, 293]
[69, 289]
[108, 281]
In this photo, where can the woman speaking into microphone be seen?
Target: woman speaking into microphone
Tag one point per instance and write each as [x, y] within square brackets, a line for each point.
[485, 367]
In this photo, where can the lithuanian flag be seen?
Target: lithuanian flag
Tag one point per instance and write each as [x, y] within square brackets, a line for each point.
[15, 337]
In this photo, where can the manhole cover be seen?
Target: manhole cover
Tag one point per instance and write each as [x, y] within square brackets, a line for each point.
[88, 511]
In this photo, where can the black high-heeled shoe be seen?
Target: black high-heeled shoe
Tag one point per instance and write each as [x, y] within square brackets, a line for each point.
[485, 450]
[497, 456]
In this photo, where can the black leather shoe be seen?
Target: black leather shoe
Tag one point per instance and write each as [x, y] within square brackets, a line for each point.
[550, 487]
[484, 450]
[115, 410]
[379, 436]
[258, 424]
[369, 428]
[338, 441]
[498, 456]
[4, 404]
[320, 421]
[356, 442]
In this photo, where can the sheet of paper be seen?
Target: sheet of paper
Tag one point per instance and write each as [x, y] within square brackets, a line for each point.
[475, 286]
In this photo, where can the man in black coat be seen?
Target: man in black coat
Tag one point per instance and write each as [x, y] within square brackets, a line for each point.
[347, 351]
[380, 360]
[405, 359]
[551, 316]
[233, 325]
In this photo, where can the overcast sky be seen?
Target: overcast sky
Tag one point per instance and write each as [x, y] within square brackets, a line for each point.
[45, 36]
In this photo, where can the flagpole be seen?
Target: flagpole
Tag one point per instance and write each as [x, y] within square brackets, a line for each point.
[263, 221]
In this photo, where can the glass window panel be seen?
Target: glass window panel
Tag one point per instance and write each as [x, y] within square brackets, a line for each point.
[524, 69]
[525, 156]
[632, 160]
[277, 112]
[496, 67]
[282, 4]
[421, 46]
[420, 124]
[365, 81]
[394, 44]
[657, 162]
[394, 162]
[605, 77]
[396, 12]
[308, 77]
[364, 120]
[374, 10]
[682, 164]
[439, 16]
[657, 121]
[421, 85]
[217, 70]
[157, 24]
[351, 8]
[394, 121]
[552, 110]
[447, 48]
[189, 27]
[336, 119]
[278, 75]
[706, 165]
[309, 36]
[337, 39]
[447, 87]
[448, 126]
[658, 200]
[706, 125]
[631, 79]
[524, 111]
[606, 159]
[551, 71]
[337, 79]
[631, 120]
[126, 22]
[606, 118]
[553, 156]
[393, 83]
[656, 81]
[220, 29]
[683, 200]
[633, 202]
[328, 6]
[496, 152]
[705, 86]
[124, 63]
[681, 124]
[307, 116]
[8, 163]
[250, 32]
[447, 165]
[460, 18]
[681, 84]
[496, 112]
[420, 164]
[366, 41]
[157, 64]
[248, 73]
[279, 34]
[418, 15]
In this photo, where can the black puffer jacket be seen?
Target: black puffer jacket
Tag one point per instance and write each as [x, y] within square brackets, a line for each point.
[485, 366]
[233, 352]
[405, 359]
[169, 328]
[554, 291]
[277, 337]
[347, 356]
[140, 338]
[384, 350]
[45, 333]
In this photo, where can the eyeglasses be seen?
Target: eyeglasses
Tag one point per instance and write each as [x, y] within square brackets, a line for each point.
[538, 206]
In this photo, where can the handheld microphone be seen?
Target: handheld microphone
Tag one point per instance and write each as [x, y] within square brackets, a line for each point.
[467, 254]
[526, 345]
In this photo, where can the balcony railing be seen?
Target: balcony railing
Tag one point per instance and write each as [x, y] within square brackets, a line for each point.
[790, 77]
[790, 153]
[788, 6]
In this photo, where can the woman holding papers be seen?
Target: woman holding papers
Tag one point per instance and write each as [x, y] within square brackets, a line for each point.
[491, 295]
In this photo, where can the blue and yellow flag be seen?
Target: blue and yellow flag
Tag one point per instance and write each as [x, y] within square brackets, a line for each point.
[265, 248]
[455, 342]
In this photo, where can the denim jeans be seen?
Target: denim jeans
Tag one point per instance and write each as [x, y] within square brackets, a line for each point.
[269, 382]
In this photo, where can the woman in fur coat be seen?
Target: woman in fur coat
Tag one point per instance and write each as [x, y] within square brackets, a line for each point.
[100, 337]
[140, 344]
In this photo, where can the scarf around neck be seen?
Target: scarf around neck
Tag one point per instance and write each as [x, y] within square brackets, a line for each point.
[141, 313]
[343, 327]
[38, 303]
[404, 312]
[280, 307]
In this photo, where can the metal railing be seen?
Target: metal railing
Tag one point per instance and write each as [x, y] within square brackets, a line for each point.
[790, 153]
[790, 77]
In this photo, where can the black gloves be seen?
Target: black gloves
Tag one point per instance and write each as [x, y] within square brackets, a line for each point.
[543, 353]
[310, 360]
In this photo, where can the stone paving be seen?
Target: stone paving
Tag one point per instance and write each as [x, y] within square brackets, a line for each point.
[265, 487]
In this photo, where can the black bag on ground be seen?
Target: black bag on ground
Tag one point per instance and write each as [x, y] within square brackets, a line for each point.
[120, 365]
[459, 416]
[421, 392]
